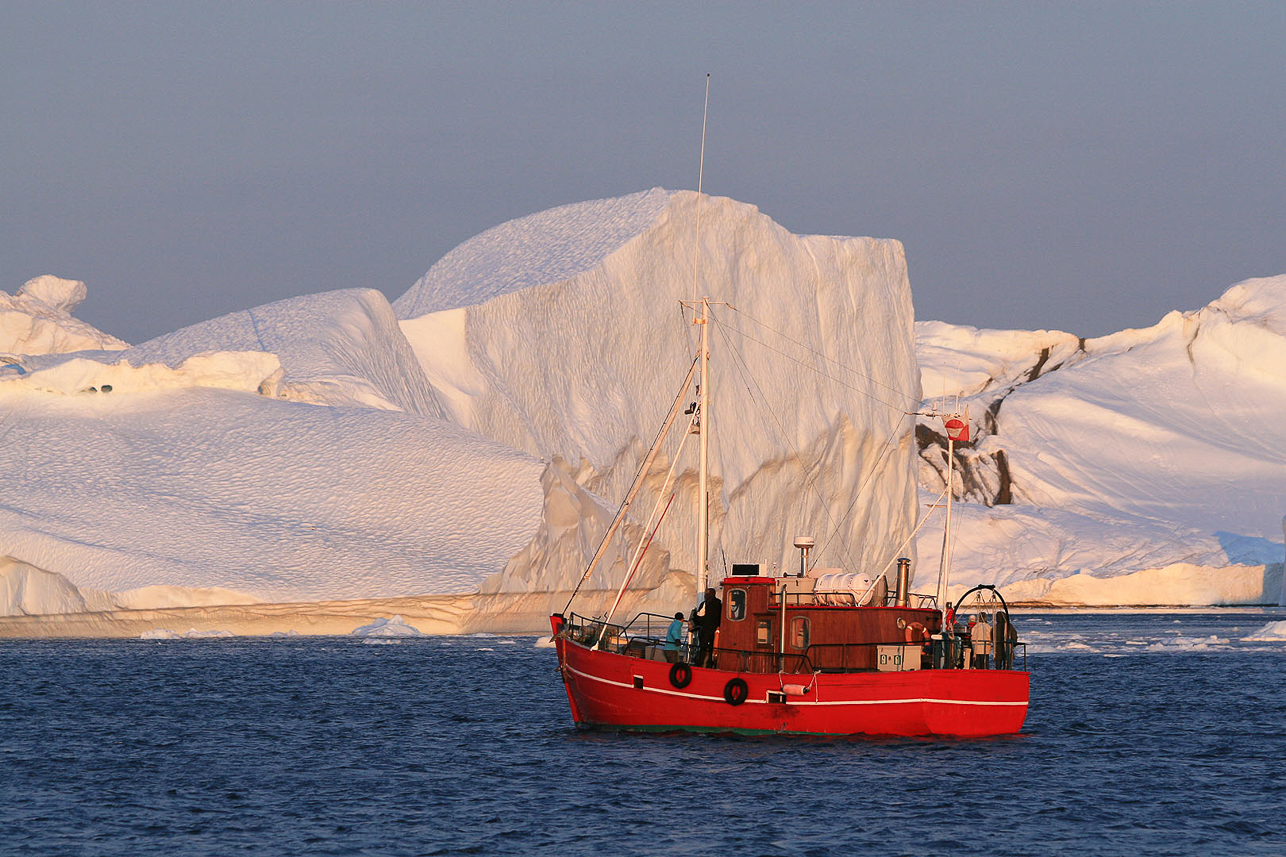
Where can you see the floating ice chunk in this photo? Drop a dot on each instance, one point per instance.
(194, 634)
(394, 627)
(160, 634)
(1187, 644)
(544, 642)
(1271, 633)
(291, 633)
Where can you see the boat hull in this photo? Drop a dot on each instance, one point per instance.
(609, 690)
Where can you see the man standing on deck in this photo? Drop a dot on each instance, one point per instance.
(706, 619)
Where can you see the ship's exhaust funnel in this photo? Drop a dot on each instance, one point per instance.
(904, 582)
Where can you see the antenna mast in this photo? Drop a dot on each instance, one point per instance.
(701, 170)
(703, 423)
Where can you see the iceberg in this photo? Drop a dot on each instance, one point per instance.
(201, 468)
(454, 457)
(468, 443)
(819, 376)
(1273, 632)
(1139, 468)
(160, 634)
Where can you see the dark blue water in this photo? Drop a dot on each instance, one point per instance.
(1148, 734)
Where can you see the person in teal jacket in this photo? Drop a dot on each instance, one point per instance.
(674, 639)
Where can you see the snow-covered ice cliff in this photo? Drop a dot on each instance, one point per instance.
(1143, 467)
(314, 470)
(562, 334)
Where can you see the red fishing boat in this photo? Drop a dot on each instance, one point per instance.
(808, 653)
(872, 669)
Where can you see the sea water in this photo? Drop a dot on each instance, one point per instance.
(1148, 734)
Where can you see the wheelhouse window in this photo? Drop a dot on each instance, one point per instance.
(799, 632)
(737, 605)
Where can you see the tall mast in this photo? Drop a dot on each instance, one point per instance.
(944, 569)
(703, 425)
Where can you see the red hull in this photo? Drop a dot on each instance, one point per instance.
(603, 688)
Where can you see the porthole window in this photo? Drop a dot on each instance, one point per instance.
(737, 605)
(799, 632)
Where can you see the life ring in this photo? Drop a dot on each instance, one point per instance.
(916, 632)
(735, 691)
(681, 675)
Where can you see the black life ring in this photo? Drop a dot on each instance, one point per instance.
(735, 691)
(681, 675)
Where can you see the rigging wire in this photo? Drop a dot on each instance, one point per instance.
(885, 448)
(825, 357)
(875, 468)
(744, 369)
(809, 366)
(638, 476)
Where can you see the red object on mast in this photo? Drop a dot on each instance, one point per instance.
(957, 430)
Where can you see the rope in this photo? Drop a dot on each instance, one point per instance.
(638, 481)
(885, 448)
(823, 356)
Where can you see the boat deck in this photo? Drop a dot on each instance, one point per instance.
(644, 638)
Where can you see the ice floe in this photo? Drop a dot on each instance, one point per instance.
(1273, 632)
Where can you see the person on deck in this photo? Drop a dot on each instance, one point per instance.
(674, 639)
(1004, 637)
(706, 619)
(980, 637)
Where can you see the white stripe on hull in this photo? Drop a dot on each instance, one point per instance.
(796, 700)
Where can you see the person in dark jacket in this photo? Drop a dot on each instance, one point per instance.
(706, 619)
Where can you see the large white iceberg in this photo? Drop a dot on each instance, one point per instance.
(1144, 467)
(562, 334)
(324, 448)
(471, 441)
(316, 470)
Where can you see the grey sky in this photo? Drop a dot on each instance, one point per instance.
(1080, 166)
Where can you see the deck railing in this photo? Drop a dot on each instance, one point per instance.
(916, 600)
(644, 637)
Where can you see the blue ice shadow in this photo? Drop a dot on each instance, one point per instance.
(1254, 550)
(1250, 550)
